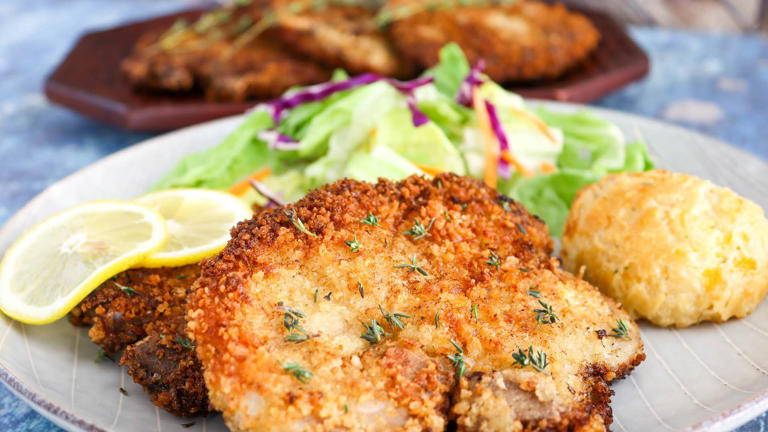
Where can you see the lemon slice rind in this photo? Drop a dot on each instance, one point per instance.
(37, 238)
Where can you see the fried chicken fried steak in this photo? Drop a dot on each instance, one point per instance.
(404, 306)
(519, 41)
(141, 312)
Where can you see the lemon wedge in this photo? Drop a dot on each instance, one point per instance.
(61, 260)
(198, 222)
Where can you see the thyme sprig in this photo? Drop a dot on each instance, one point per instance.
(128, 290)
(534, 292)
(296, 221)
(371, 220)
(458, 359)
(537, 360)
(353, 244)
(394, 319)
(418, 230)
(413, 266)
(545, 315)
(291, 320)
(373, 332)
(185, 342)
(493, 260)
(621, 330)
(297, 371)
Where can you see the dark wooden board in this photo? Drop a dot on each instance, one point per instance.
(89, 80)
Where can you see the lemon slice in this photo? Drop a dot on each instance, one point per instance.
(198, 222)
(61, 260)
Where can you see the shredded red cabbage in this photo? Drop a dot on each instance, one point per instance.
(273, 198)
(277, 141)
(317, 92)
(474, 78)
(498, 130)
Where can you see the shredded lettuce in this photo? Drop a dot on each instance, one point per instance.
(368, 130)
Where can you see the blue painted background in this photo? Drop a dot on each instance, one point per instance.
(715, 83)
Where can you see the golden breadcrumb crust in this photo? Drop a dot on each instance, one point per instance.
(293, 267)
(520, 41)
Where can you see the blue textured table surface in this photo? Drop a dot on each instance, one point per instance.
(717, 84)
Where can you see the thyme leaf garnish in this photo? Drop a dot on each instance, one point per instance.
(291, 213)
(505, 205)
(458, 359)
(521, 228)
(394, 318)
(180, 277)
(353, 244)
(371, 220)
(545, 315)
(373, 332)
(437, 319)
(474, 310)
(447, 216)
(297, 371)
(413, 266)
(185, 342)
(524, 270)
(315, 296)
(126, 289)
(537, 360)
(621, 330)
(360, 288)
(291, 320)
(418, 230)
(493, 260)
(534, 292)
(101, 354)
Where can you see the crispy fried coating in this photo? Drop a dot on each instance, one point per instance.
(520, 41)
(284, 316)
(124, 309)
(142, 311)
(344, 37)
(165, 365)
(263, 68)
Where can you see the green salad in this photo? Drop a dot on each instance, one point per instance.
(451, 119)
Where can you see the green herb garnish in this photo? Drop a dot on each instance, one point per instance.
(474, 310)
(101, 354)
(534, 292)
(373, 332)
(418, 230)
(126, 289)
(447, 216)
(437, 319)
(394, 318)
(371, 220)
(413, 266)
(621, 330)
(521, 228)
(360, 288)
(353, 244)
(291, 213)
(545, 315)
(184, 342)
(458, 359)
(493, 260)
(297, 371)
(536, 360)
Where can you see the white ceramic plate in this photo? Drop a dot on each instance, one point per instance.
(708, 377)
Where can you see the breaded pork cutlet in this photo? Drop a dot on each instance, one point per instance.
(186, 60)
(142, 311)
(404, 306)
(341, 36)
(520, 41)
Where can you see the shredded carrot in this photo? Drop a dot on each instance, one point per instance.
(243, 186)
(428, 169)
(548, 168)
(510, 158)
(540, 125)
(491, 174)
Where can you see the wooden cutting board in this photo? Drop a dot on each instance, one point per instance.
(89, 80)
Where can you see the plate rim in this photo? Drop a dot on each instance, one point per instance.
(724, 420)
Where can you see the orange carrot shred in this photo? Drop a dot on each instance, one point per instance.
(428, 169)
(242, 187)
(510, 158)
(540, 125)
(548, 168)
